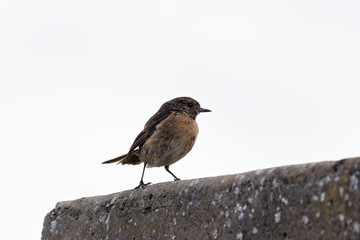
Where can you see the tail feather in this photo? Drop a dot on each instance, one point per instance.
(117, 159)
(130, 158)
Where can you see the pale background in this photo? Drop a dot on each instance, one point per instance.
(79, 79)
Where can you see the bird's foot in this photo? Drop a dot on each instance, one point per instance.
(177, 179)
(143, 185)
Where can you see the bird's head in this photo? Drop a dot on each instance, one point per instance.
(185, 104)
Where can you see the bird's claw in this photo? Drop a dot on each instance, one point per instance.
(142, 185)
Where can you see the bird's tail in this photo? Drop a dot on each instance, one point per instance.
(130, 158)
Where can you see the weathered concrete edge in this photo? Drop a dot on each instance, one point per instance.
(257, 178)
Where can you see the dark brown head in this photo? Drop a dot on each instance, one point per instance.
(184, 104)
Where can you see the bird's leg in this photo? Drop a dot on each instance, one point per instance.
(142, 184)
(175, 177)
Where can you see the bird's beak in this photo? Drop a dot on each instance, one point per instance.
(203, 110)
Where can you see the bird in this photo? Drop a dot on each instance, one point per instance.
(166, 138)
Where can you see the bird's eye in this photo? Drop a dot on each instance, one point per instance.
(190, 104)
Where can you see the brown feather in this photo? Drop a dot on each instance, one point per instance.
(117, 159)
(130, 158)
(149, 128)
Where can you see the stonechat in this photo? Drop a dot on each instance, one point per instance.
(167, 136)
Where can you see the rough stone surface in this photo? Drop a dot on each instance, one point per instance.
(310, 201)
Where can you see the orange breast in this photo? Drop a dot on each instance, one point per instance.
(173, 138)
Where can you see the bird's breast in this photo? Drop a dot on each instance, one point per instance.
(173, 138)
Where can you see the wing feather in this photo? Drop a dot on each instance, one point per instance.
(149, 128)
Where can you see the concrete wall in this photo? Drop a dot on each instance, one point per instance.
(310, 201)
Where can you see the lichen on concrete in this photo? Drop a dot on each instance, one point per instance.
(309, 201)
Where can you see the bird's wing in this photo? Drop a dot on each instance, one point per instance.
(149, 129)
(139, 140)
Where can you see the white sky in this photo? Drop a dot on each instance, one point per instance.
(79, 79)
